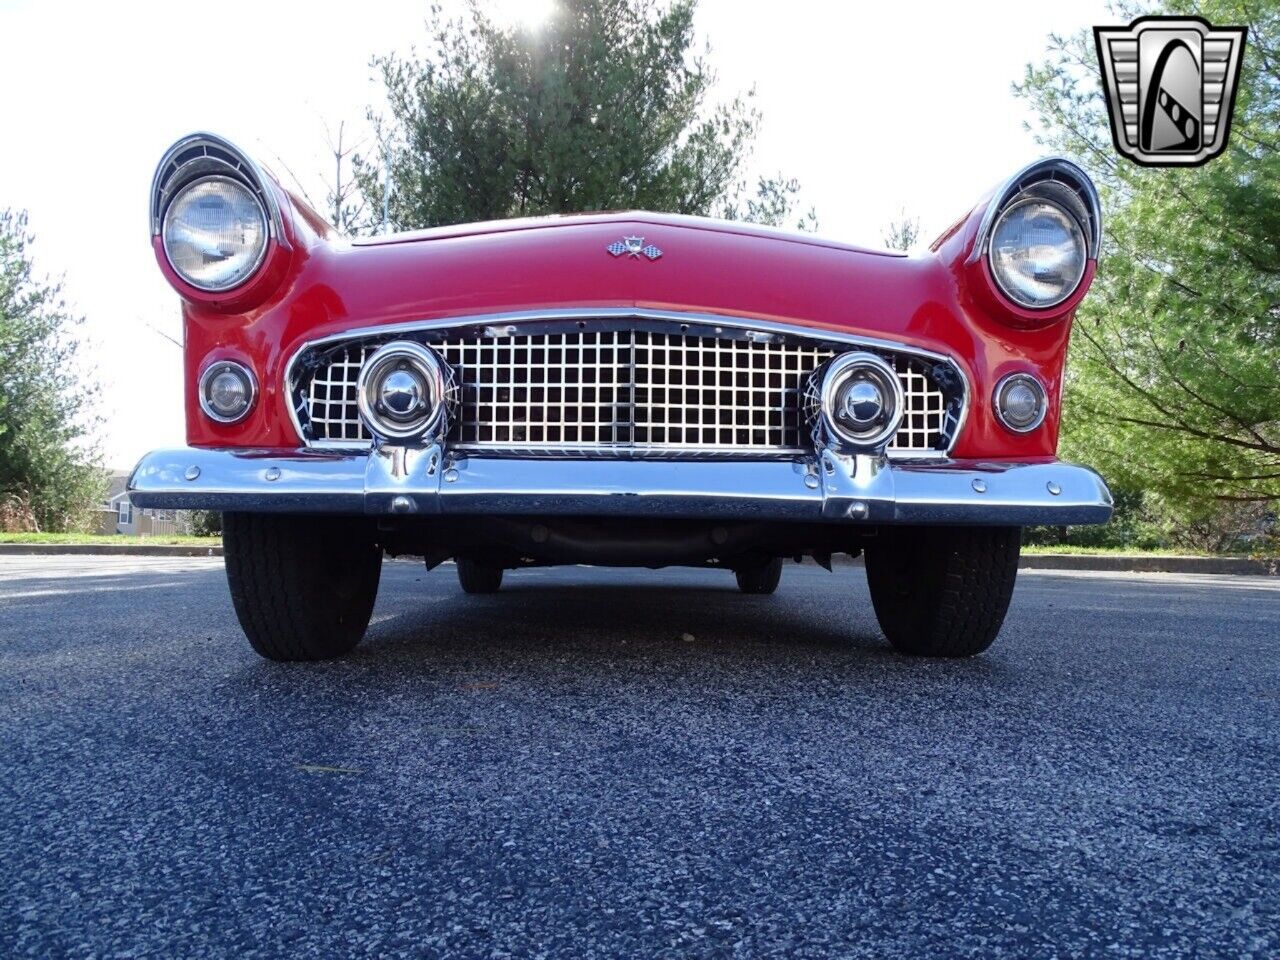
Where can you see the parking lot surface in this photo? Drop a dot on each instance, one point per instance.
(612, 763)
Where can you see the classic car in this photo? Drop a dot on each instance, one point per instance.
(628, 389)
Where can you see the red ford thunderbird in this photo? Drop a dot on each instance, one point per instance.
(628, 389)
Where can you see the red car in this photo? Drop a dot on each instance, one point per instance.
(628, 389)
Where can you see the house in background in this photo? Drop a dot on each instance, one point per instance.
(117, 514)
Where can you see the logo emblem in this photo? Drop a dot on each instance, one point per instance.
(1170, 84)
(634, 247)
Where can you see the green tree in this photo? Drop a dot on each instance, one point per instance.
(206, 523)
(1174, 382)
(47, 475)
(902, 234)
(605, 106)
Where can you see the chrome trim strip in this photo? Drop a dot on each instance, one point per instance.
(426, 481)
(700, 324)
(571, 452)
(695, 324)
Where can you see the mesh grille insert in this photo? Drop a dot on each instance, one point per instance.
(620, 388)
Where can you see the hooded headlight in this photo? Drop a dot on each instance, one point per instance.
(215, 233)
(1038, 253)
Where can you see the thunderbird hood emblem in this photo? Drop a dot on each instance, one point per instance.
(634, 247)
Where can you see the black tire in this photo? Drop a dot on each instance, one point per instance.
(943, 591)
(762, 579)
(478, 577)
(303, 587)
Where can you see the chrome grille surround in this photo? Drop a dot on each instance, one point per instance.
(624, 383)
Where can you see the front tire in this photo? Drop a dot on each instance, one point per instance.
(303, 587)
(943, 591)
(762, 579)
(477, 577)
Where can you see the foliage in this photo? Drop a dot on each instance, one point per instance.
(902, 234)
(1173, 385)
(605, 107)
(46, 473)
(206, 523)
(111, 540)
(344, 206)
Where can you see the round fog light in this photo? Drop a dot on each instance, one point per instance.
(1020, 402)
(227, 391)
(400, 391)
(402, 394)
(862, 404)
(862, 400)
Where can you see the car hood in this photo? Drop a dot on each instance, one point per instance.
(555, 263)
(628, 219)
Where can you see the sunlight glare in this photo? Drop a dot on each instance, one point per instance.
(524, 14)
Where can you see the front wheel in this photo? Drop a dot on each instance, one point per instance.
(943, 591)
(761, 579)
(475, 576)
(303, 587)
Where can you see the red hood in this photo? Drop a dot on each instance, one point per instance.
(694, 264)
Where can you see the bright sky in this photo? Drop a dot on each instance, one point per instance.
(875, 111)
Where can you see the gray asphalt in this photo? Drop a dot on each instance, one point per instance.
(600, 763)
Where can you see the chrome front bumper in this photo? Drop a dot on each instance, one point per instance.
(430, 481)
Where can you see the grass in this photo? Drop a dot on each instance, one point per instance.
(1126, 551)
(113, 539)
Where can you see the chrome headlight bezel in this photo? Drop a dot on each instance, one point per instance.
(246, 272)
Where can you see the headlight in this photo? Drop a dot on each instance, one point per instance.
(862, 400)
(227, 391)
(1038, 253)
(215, 233)
(401, 391)
(1020, 402)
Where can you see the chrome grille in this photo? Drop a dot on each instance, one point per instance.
(629, 388)
(621, 389)
(330, 395)
(556, 389)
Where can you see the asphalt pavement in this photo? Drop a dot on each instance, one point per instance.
(612, 763)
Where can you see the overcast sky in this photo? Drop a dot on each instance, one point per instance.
(875, 110)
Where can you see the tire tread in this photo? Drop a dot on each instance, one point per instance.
(944, 592)
(303, 588)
